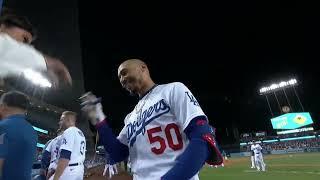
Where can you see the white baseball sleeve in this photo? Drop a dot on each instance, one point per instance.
(49, 147)
(15, 57)
(184, 105)
(122, 137)
(68, 138)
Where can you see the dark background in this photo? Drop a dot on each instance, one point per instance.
(223, 51)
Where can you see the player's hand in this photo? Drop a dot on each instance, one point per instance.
(105, 170)
(57, 71)
(92, 107)
(112, 169)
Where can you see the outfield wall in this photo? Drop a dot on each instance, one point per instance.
(287, 151)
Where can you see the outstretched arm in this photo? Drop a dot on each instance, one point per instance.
(93, 108)
(16, 57)
(118, 151)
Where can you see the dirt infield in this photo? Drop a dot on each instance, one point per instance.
(96, 174)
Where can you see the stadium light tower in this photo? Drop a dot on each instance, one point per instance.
(280, 86)
(37, 78)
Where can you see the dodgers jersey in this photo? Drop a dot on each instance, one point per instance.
(73, 140)
(257, 149)
(154, 130)
(54, 147)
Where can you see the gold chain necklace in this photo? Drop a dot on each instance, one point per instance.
(145, 100)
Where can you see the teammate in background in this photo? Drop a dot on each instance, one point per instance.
(257, 149)
(45, 161)
(224, 154)
(72, 150)
(50, 155)
(18, 139)
(252, 158)
(167, 135)
(17, 55)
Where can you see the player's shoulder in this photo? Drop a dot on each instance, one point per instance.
(172, 85)
(70, 130)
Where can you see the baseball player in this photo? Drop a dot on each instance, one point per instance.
(72, 151)
(252, 159)
(166, 135)
(50, 154)
(257, 149)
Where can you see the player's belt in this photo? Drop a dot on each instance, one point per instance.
(75, 164)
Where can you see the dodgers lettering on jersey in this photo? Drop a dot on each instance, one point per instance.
(74, 141)
(256, 148)
(154, 130)
(54, 147)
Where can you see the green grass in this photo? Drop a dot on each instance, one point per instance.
(305, 166)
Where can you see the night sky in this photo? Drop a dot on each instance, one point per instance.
(223, 51)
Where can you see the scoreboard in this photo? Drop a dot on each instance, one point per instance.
(291, 120)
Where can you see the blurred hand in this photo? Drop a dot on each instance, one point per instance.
(57, 71)
(92, 107)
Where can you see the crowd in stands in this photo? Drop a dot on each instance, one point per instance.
(294, 144)
(284, 145)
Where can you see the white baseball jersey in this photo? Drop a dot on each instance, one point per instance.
(54, 147)
(257, 149)
(73, 140)
(154, 130)
(16, 57)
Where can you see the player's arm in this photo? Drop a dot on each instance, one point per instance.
(46, 157)
(62, 164)
(57, 71)
(17, 57)
(115, 148)
(65, 152)
(202, 147)
(3, 148)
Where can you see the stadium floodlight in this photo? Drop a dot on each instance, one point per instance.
(37, 78)
(276, 86)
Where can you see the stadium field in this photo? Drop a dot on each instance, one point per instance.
(304, 166)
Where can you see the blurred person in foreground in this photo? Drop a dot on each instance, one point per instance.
(18, 55)
(18, 139)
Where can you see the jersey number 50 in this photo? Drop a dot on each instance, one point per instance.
(162, 142)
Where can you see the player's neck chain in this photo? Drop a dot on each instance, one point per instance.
(137, 108)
